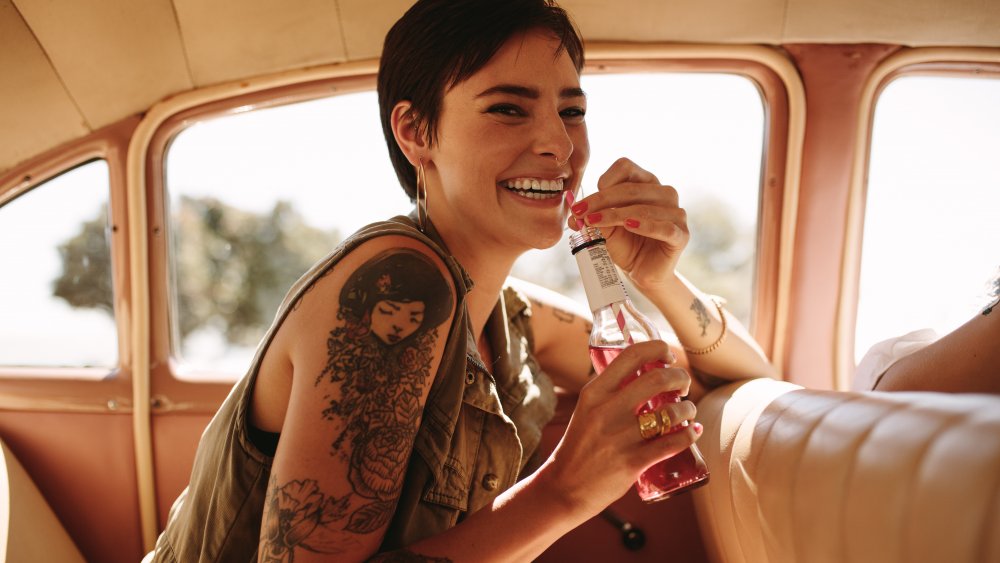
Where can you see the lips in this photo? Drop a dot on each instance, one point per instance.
(534, 188)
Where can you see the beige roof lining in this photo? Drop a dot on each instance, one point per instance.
(89, 64)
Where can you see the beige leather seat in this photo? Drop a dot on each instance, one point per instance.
(29, 530)
(802, 475)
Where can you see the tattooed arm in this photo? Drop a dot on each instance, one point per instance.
(697, 323)
(345, 382)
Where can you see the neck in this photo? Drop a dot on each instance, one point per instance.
(488, 264)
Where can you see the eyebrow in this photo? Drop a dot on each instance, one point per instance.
(526, 92)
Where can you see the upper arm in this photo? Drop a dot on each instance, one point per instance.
(364, 345)
(561, 329)
(962, 361)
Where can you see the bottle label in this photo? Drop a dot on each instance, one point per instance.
(600, 277)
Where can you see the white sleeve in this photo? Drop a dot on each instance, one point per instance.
(882, 355)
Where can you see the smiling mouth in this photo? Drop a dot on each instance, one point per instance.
(534, 188)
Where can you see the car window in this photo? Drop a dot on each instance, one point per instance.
(931, 234)
(56, 290)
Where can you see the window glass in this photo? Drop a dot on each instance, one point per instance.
(56, 295)
(931, 235)
(256, 197)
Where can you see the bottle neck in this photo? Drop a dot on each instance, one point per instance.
(601, 281)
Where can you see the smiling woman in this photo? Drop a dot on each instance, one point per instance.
(431, 396)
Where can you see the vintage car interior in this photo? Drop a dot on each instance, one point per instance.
(168, 167)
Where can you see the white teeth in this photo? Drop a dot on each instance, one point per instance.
(534, 186)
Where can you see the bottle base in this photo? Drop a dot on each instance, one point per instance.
(670, 494)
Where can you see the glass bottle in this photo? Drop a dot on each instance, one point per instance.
(618, 324)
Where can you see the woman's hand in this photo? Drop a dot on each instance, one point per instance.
(645, 229)
(602, 452)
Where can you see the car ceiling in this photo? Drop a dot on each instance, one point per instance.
(72, 66)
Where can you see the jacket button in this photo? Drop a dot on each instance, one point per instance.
(470, 378)
(491, 482)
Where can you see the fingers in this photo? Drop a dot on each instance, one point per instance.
(624, 170)
(631, 197)
(625, 366)
(652, 451)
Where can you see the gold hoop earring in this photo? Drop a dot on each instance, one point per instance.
(421, 197)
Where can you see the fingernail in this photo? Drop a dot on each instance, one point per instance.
(593, 218)
(698, 428)
(578, 224)
(568, 197)
(632, 223)
(579, 208)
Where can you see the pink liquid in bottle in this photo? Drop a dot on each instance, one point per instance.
(677, 474)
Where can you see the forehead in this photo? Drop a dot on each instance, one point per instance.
(404, 305)
(534, 57)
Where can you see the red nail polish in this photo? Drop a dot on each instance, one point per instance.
(594, 218)
(579, 208)
(632, 223)
(698, 428)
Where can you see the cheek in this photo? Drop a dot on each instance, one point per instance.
(581, 144)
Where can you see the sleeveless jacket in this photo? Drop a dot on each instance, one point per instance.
(477, 432)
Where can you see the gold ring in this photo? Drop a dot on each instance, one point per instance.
(665, 424)
(649, 425)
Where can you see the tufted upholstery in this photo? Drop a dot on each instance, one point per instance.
(801, 475)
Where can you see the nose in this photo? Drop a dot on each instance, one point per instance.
(553, 139)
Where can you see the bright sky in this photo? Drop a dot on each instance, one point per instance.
(934, 193)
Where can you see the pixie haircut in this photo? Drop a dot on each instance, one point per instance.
(439, 43)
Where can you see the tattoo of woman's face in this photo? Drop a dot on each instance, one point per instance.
(393, 321)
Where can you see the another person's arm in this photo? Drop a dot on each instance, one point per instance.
(966, 360)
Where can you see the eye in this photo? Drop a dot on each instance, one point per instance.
(509, 110)
(384, 311)
(574, 113)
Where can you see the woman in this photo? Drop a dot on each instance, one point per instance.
(325, 451)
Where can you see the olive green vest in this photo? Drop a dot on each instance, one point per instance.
(476, 435)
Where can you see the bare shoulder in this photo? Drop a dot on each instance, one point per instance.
(548, 301)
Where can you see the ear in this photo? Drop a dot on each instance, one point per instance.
(408, 133)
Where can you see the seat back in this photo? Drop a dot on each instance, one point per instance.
(802, 475)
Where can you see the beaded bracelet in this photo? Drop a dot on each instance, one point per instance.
(722, 337)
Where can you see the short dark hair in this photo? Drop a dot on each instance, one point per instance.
(439, 43)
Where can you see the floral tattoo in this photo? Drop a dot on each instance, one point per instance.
(379, 359)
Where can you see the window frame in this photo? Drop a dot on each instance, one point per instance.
(930, 61)
(67, 388)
